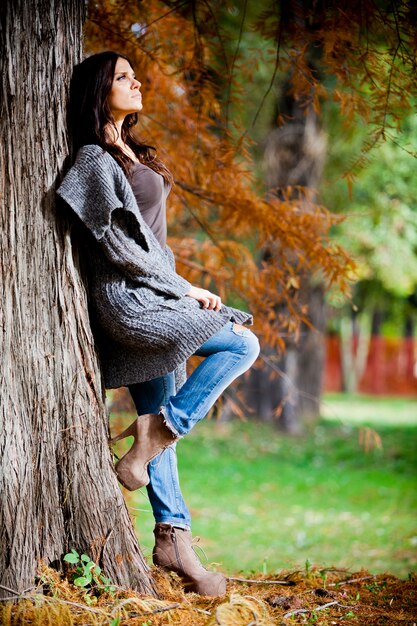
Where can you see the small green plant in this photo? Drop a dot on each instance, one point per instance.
(375, 587)
(308, 568)
(348, 614)
(88, 576)
(323, 576)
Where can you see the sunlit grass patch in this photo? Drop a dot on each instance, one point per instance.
(372, 410)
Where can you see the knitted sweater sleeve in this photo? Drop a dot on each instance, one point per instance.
(99, 193)
(125, 247)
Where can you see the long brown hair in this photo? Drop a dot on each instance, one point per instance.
(89, 114)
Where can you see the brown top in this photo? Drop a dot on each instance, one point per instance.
(151, 192)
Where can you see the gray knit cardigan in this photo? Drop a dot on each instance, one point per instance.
(145, 324)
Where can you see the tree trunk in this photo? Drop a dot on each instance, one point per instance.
(355, 341)
(294, 156)
(311, 354)
(58, 489)
(376, 360)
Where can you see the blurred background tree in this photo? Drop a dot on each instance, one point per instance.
(381, 234)
(247, 104)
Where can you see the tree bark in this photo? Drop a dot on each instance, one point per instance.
(311, 353)
(289, 392)
(58, 489)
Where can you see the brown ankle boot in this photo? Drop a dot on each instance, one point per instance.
(173, 552)
(151, 437)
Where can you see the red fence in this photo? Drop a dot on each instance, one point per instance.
(391, 367)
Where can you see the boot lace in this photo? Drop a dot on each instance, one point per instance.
(197, 549)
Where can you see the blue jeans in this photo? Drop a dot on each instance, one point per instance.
(228, 354)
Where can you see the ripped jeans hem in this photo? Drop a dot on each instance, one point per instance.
(168, 424)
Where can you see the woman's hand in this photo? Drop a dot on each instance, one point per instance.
(207, 299)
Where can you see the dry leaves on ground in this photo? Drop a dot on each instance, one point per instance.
(322, 597)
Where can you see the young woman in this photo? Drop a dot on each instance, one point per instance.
(147, 319)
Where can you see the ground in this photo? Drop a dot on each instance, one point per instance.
(322, 597)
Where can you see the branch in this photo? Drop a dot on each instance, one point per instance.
(350, 581)
(315, 610)
(178, 6)
(384, 121)
(160, 610)
(194, 608)
(274, 73)
(13, 591)
(192, 264)
(80, 606)
(239, 41)
(200, 194)
(285, 376)
(219, 37)
(288, 583)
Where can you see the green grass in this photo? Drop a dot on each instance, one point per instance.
(370, 410)
(263, 501)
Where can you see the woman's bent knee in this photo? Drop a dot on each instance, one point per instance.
(250, 338)
(254, 347)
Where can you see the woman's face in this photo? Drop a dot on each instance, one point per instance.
(124, 97)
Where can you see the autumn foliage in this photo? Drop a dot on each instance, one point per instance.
(219, 215)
